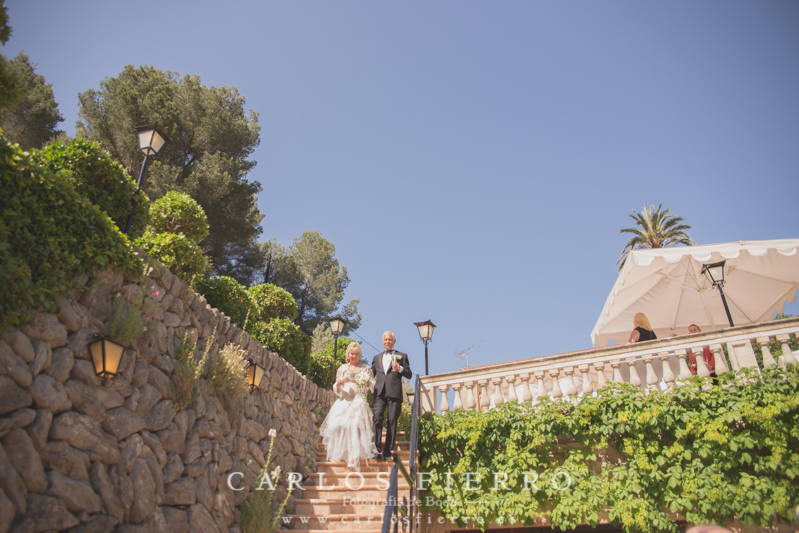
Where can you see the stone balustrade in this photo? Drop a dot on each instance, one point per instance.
(658, 364)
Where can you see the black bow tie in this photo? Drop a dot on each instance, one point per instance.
(390, 352)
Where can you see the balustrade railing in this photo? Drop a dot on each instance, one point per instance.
(658, 364)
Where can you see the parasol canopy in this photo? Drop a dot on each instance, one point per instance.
(667, 285)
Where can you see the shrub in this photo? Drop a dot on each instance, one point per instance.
(228, 379)
(271, 301)
(184, 258)
(283, 336)
(178, 213)
(49, 233)
(322, 370)
(188, 370)
(96, 176)
(227, 295)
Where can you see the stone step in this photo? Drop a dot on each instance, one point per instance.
(339, 467)
(348, 505)
(352, 480)
(339, 523)
(337, 493)
(403, 455)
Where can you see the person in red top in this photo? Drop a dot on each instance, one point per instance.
(710, 362)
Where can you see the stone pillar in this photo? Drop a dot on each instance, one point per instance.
(668, 375)
(470, 403)
(484, 401)
(457, 404)
(498, 399)
(444, 407)
(701, 364)
(787, 356)
(553, 375)
(719, 359)
(571, 386)
(768, 359)
(587, 387)
(542, 388)
(651, 377)
(635, 379)
(512, 396)
(600, 375)
(685, 372)
(617, 378)
(527, 395)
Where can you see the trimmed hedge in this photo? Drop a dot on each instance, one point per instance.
(227, 295)
(96, 176)
(177, 213)
(271, 301)
(283, 336)
(49, 233)
(176, 252)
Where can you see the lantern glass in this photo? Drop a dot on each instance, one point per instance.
(337, 325)
(255, 374)
(715, 272)
(425, 330)
(106, 355)
(151, 140)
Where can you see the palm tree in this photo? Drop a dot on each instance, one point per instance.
(654, 229)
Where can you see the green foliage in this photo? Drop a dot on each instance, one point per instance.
(49, 233)
(257, 509)
(270, 301)
(32, 121)
(309, 270)
(654, 229)
(176, 252)
(283, 336)
(709, 453)
(11, 90)
(227, 295)
(188, 370)
(178, 213)
(99, 178)
(322, 366)
(128, 322)
(212, 137)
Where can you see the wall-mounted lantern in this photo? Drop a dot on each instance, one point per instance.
(255, 373)
(106, 355)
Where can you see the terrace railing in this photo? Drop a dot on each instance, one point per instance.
(658, 364)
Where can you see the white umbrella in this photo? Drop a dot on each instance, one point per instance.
(668, 286)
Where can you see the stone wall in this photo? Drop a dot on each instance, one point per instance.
(80, 456)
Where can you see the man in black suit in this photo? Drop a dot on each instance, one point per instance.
(388, 369)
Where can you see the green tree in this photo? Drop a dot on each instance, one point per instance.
(322, 365)
(10, 87)
(283, 336)
(211, 139)
(33, 120)
(655, 228)
(96, 176)
(309, 270)
(270, 301)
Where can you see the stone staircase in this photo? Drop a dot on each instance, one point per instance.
(338, 499)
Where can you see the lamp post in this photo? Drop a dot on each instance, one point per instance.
(336, 326)
(255, 373)
(106, 355)
(426, 334)
(151, 140)
(715, 272)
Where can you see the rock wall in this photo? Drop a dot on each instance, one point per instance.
(80, 456)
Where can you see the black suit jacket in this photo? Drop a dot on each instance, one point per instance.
(390, 384)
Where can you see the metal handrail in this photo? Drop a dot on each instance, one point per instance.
(392, 503)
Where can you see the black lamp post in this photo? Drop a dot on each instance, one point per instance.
(426, 334)
(106, 355)
(715, 272)
(336, 326)
(255, 373)
(151, 140)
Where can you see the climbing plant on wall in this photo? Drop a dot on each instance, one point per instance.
(709, 453)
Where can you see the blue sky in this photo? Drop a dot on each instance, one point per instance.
(473, 161)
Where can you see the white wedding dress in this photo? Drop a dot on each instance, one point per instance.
(347, 430)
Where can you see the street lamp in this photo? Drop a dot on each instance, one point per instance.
(255, 373)
(715, 273)
(151, 140)
(106, 355)
(426, 334)
(336, 326)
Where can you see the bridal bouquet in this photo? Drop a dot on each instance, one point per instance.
(362, 379)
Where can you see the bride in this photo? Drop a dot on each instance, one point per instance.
(347, 430)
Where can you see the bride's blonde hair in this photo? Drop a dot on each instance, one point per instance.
(352, 347)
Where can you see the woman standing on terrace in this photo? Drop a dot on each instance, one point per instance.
(643, 331)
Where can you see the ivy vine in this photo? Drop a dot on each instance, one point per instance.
(708, 453)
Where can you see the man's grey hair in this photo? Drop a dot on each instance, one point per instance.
(390, 333)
